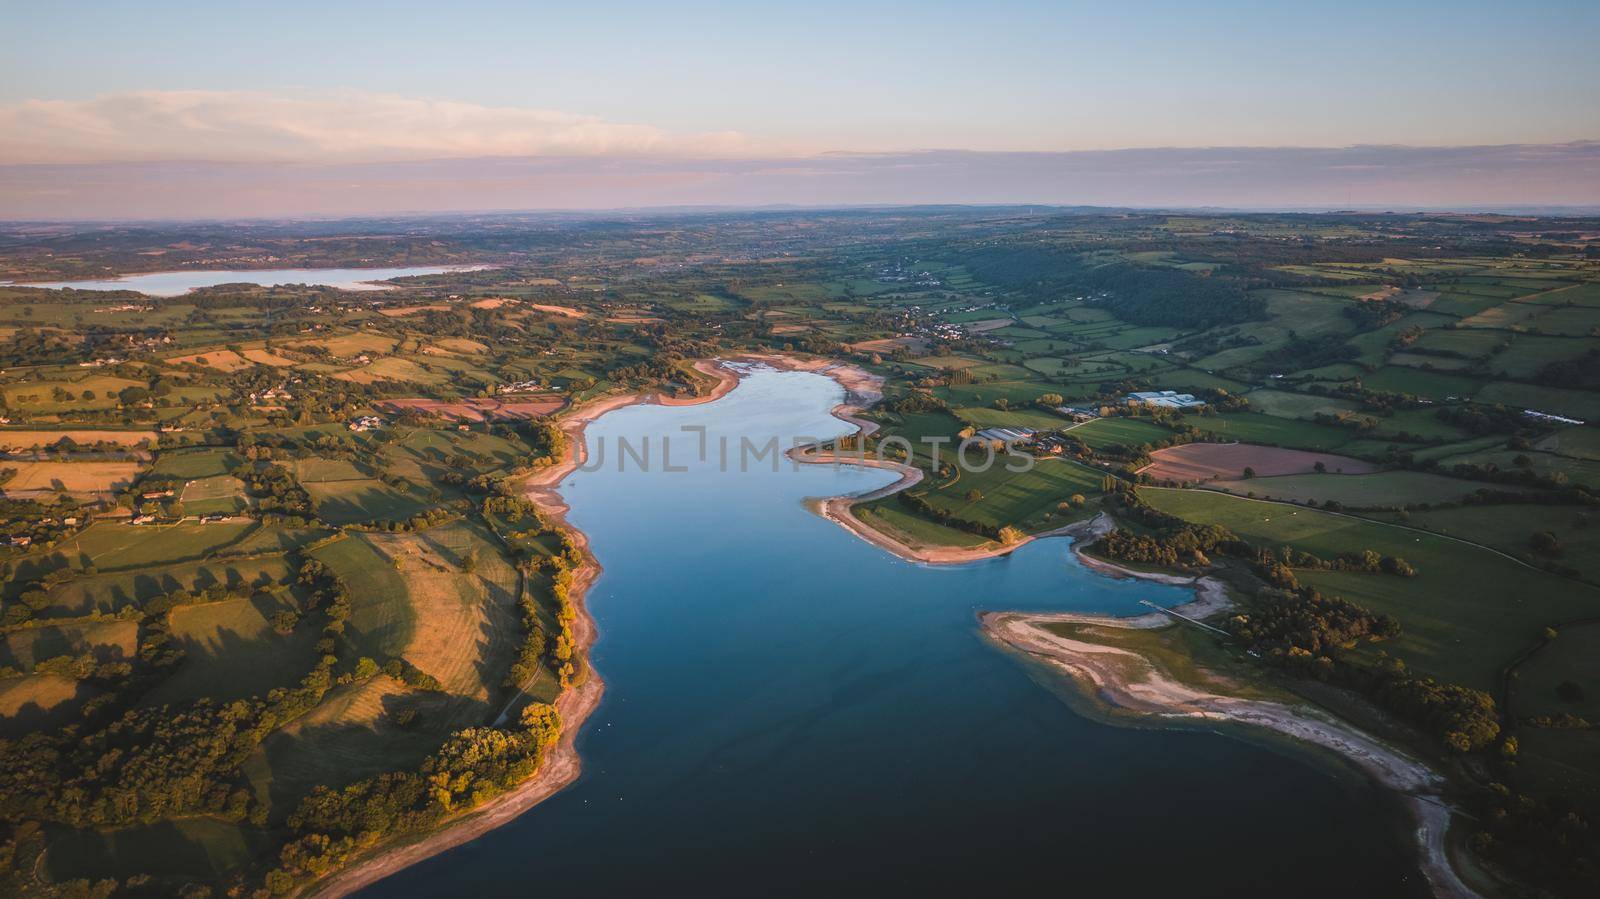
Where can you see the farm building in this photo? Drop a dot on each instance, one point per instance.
(1551, 417)
(1005, 436)
(1169, 399)
(1079, 413)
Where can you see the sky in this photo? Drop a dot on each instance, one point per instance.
(121, 108)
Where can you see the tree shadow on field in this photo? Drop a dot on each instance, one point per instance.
(338, 754)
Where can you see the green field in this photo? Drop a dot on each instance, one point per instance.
(1316, 320)
(1573, 656)
(1571, 403)
(107, 640)
(41, 702)
(1383, 488)
(1106, 432)
(1576, 471)
(113, 546)
(221, 494)
(1510, 529)
(195, 463)
(1580, 443)
(1296, 405)
(1036, 419)
(381, 622)
(471, 633)
(363, 500)
(234, 652)
(1025, 499)
(1432, 385)
(196, 848)
(1250, 427)
(1465, 614)
(113, 590)
(891, 517)
(308, 471)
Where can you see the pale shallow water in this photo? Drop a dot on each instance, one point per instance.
(171, 284)
(792, 711)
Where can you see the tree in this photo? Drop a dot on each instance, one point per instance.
(129, 396)
(1545, 543)
(1249, 472)
(974, 495)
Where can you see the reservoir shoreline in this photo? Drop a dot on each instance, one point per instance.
(1088, 666)
(1122, 681)
(562, 766)
(1106, 674)
(151, 283)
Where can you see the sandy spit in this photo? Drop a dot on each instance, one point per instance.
(1124, 680)
(1127, 681)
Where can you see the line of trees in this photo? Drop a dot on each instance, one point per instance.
(473, 766)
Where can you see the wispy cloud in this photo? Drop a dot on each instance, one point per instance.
(555, 161)
(322, 127)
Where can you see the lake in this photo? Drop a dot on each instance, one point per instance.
(171, 284)
(791, 711)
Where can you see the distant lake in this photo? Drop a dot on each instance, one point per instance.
(791, 711)
(171, 284)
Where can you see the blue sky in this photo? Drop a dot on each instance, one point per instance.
(868, 75)
(92, 94)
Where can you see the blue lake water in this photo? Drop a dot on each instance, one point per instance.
(171, 284)
(792, 711)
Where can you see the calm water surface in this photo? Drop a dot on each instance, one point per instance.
(171, 284)
(791, 711)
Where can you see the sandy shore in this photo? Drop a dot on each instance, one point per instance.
(726, 381)
(862, 387)
(1120, 678)
(1125, 680)
(562, 765)
(841, 511)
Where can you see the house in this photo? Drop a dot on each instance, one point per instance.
(143, 519)
(365, 423)
(157, 494)
(21, 541)
(271, 394)
(1166, 399)
(528, 386)
(1079, 413)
